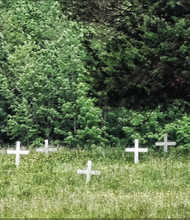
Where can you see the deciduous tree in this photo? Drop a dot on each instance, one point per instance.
(46, 83)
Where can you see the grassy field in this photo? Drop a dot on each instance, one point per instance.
(49, 186)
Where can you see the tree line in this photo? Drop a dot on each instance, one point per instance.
(106, 79)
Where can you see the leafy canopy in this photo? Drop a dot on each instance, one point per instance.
(46, 82)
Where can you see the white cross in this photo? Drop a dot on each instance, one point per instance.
(17, 152)
(88, 171)
(165, 143)
(46, 149)
(136, 150)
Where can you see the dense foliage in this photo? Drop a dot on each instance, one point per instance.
(46, 83)
(146, 62)
(4, 104)
(120, 75)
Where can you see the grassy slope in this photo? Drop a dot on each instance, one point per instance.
(49, 186)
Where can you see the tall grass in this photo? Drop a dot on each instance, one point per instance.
(49, 186)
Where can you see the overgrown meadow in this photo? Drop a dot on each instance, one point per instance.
(47, 185)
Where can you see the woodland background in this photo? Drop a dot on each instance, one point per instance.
(88, 72)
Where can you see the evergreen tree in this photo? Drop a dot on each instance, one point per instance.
(147, 61)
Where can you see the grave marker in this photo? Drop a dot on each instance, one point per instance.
(88, 171)
(136, 150)
(17, 152)
(46, 149)
(165, 143)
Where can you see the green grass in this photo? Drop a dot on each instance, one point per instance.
(49, 186)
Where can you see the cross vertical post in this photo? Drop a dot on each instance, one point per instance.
(46, 146)
(89, 166)
(17, 153)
